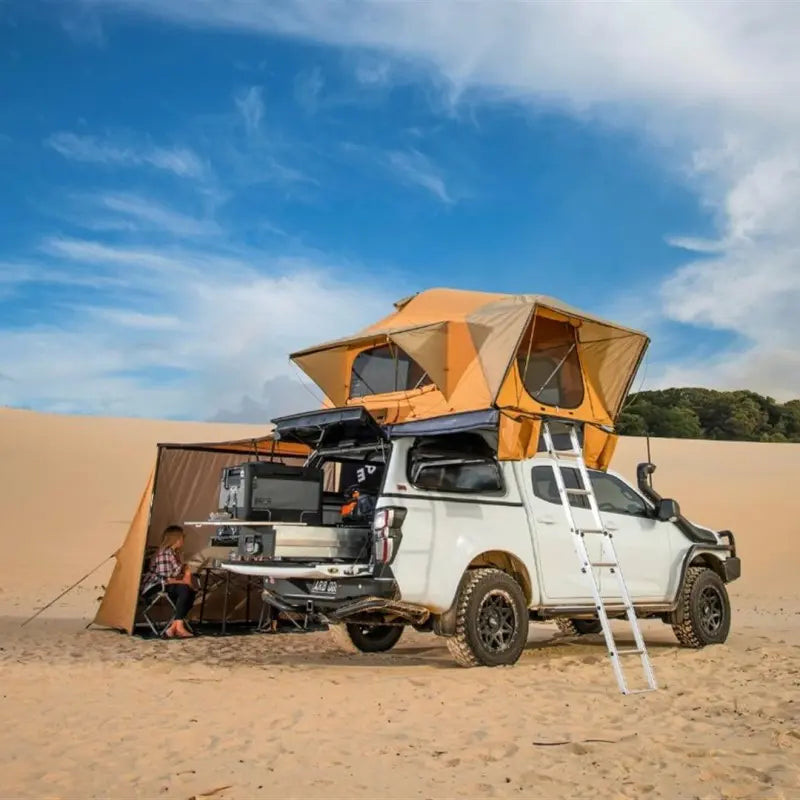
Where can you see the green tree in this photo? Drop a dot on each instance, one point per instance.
(677, 423)
(631, 424)
(709, 414)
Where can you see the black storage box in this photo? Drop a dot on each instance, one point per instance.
(269, 492)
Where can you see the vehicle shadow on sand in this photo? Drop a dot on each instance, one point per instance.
(63, 642)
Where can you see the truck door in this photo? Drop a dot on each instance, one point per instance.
(556, 559)
(643, 543)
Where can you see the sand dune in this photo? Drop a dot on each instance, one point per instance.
(98, 714)
(746, 487)
(70, 488)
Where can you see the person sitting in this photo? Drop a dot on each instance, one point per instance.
(167, 565)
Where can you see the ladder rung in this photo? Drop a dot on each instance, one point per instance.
(574, 457)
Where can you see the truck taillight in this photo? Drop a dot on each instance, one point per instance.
(384, 549)
(386, 526)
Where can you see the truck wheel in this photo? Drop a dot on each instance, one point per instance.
(706, 609)
(491, 620)
(355, 638)
(578, 627)
(374, 638)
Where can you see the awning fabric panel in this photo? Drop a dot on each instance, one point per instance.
(182, 486)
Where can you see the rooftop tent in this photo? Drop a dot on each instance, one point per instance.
(182, 486)
(445, 351)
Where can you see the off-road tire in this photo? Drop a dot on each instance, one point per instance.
(489, 599)
(578, 627)
(706, 609)
(351, 638)
(374, 638)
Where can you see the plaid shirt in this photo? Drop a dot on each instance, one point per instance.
(164, 564)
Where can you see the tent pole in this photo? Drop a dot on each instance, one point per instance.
(394, 359)
(66, 591)
(555, 371)
(527, 356)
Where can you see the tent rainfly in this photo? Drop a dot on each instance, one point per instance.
(446, 351)
(183, 485)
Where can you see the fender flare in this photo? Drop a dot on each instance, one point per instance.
(715, 563)
(444, 624)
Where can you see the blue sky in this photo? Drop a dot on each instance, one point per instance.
(190, 191)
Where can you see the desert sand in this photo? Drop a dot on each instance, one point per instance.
(93, 713)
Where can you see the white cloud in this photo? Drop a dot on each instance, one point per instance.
(111, 258)
(145, 213)
(278, 396)
(713, 85)
(308, 85)
(135, 320)
(178, 160)
(697, 245)
(186, 332)
(409, 167)
(373, 72)
(414, 168)
(250, 105)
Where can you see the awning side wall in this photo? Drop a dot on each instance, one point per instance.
(184, 486)
(118, 606)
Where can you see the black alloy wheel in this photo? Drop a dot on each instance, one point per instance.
(497, 621)
(712, 611)
(703, 615)
(491, 619)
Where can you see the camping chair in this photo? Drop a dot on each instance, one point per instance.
(155, 596)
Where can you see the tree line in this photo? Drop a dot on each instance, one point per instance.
(709, 414)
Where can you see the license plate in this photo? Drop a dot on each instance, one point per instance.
(323, 587)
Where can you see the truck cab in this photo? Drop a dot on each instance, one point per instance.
(428, 528)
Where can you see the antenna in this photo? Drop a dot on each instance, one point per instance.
(649, 460)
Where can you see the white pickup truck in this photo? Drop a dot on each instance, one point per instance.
(448, 539)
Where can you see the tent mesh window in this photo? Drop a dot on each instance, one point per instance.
(549, 365)
(385, 369)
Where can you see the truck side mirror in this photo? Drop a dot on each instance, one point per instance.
(668, 510)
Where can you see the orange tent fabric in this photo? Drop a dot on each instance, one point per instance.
(453, 350)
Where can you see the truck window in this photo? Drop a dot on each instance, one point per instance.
(475, 477)
(385, 369)
(615, 496)
(546, 488)
(612, 494)
(461, 463)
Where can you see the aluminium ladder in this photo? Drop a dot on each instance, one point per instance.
(608, 554)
